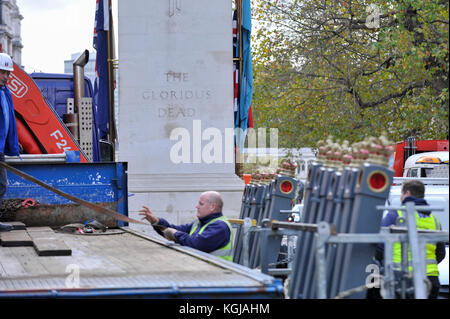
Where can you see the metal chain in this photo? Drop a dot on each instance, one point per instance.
(376, 284)
(283, 261)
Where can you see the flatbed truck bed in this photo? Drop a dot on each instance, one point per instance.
(125, 263)
(119, 263)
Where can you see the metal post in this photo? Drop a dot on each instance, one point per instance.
(404, 265)
(418, 263)
(322, 235)
(255, 213)
(254, 248)
(111, 54)
(256, 258)
(404, 268)
(334, 198)
(304, 240)
(349, 181)
(245, 208)
(389, 287)
(309, 287)
(247, 225)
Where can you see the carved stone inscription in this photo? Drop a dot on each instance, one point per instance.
(174, 7)
(180, 101)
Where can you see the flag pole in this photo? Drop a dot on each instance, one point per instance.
(111, 109)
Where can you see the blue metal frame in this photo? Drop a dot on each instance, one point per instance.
(270, 291)
(104, 182)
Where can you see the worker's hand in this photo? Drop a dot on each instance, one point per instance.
(148, 215)
(169, 233)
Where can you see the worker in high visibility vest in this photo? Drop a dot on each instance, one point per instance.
(211, 232)
(414, 191)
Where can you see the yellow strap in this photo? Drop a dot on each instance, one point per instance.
(240, 221)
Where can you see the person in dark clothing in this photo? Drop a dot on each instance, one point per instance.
(210, 233)
(9, 144)
(414, 191)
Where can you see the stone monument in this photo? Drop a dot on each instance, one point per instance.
(176, 105)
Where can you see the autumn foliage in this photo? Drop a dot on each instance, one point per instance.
(351, 69)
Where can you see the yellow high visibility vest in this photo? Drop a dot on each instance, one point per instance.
(431, 223)
(225, 252)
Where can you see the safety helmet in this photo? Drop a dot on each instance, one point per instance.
(6, 62)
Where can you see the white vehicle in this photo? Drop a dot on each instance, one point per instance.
(428, 164)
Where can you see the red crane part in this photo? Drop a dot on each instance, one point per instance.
(40, 118)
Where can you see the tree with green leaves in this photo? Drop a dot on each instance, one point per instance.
(351, 69)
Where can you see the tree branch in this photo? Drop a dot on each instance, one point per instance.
(364, 105)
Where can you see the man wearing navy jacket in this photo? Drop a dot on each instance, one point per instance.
(9, 144)
(210, 233)
(414, 191)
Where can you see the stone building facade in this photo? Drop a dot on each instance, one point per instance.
(10, 24)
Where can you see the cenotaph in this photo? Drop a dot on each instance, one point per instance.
(176, 105)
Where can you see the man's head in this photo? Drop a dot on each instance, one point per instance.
(6, 66)
(413, 188)
(209, 203)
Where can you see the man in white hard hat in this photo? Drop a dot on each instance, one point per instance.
(9, 144)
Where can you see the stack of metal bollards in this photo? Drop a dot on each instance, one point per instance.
(266, 197)
(343, 188)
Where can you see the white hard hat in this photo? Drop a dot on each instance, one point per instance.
(6, 62)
